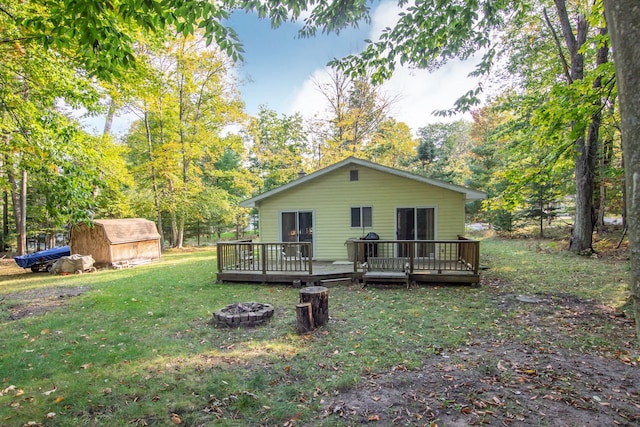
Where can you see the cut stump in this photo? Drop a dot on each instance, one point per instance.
(304, 316)
(318, 297)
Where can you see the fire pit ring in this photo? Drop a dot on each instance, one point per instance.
(243, 314)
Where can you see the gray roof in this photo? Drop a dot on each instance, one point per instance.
(469, 193)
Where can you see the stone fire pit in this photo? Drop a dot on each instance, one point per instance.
(243, 314)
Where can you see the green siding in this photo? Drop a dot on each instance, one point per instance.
(331, 197)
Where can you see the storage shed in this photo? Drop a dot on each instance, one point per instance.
(117, 241)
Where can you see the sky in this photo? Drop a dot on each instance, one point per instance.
(280, 69)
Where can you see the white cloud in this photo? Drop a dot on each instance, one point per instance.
(419, 92)
(385, 16)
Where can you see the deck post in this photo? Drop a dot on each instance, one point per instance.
(476, 258)
(219, 256)
(263, 257)
(412, 252)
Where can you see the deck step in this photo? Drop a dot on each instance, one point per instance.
(336, 281)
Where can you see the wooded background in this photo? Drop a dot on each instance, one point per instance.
(547, 141)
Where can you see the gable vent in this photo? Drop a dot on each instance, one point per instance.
(353, 175)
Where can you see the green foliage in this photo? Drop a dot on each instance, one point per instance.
(59, 160)
(391, 145)
(112, 200)
(186, 102)
(181, 161)
(101, 37)
(442, 151)
(358, 114)
(278, 148)
(447, 30)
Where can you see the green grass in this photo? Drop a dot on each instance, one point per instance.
(139, 345)
(542, 266)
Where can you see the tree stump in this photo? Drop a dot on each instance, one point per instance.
(318, 296)
(304, 316)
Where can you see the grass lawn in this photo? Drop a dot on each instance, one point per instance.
(136, 346)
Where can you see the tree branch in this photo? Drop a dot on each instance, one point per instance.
(6, 12)
(569, 38)
(565, 65)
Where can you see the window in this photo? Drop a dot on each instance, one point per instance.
(361, 217)
(353, 175)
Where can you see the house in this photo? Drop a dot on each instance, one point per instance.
(117, 242)
(354, 197)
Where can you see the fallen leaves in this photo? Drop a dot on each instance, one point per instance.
(48, 392)
(9, 389)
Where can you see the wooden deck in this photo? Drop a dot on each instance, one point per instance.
(455, 261)
(321, 271)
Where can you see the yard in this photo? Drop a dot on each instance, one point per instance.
(545, 340)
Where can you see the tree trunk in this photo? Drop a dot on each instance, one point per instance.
(5, 206)
(154, 179)
(624, 195)
(593, 136)
(19, 199)
(304, 317)
(108, 122)
(5, 220)
(541, 218)
(174, 230)
(601, 199)
(582, 233)
(623, 18)
(180, 236)
(318, 296)
(587, 148)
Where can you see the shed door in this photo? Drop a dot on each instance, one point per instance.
(297, 226)
(416, 224)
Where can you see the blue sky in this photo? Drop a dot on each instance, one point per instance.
(280, 69)
(277, 62)
(283, 68)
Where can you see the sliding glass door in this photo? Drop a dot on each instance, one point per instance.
(416, 224)
(297, 226)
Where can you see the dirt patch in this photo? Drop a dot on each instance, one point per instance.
(538, 378)
(36, 301)
(498, 383)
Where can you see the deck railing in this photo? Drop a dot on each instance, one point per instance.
(247, 256)
(422, 255)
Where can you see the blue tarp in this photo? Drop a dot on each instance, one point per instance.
(42, 257)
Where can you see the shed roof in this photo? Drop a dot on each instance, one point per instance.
(128, 230)
(351, 161)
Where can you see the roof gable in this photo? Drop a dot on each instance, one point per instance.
(353, 161)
